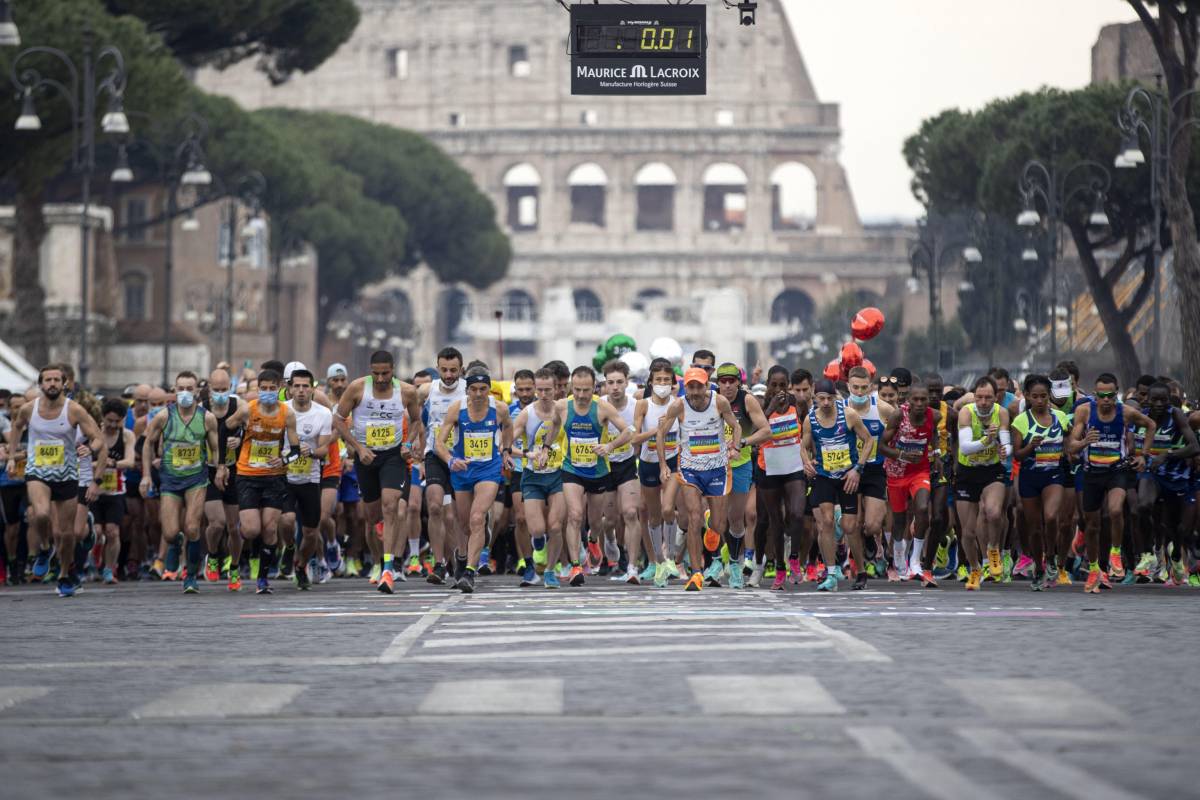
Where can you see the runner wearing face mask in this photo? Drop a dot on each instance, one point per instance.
(435, 398)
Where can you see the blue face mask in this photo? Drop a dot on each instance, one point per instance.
(220, 398)
(860, 401)
(268, 398)
(185, 399)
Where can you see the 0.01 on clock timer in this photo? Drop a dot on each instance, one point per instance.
(638, 40)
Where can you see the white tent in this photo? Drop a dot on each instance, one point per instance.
(16, 374)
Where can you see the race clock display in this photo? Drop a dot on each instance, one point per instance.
(638, 49)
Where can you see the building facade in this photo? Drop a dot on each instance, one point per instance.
(723, 219)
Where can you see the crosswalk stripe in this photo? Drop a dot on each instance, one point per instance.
(921, 768)
(570, 654)
(404, 640)
(12, 695)
(1053, 772)
(762, 695)
(545, 627)
(515, 696)
(1033, 700)
(555, 636)
(221, 700)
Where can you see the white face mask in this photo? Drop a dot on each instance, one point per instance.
(449, 385)
(661, 391)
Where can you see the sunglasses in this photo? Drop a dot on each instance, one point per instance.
(727, 379)
(706, 367)
(1106, 395)
(889, 381)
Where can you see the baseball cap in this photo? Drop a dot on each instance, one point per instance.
(1061, 390)
(336, 370)
(729, 370)
(695, 374)
(292, 367)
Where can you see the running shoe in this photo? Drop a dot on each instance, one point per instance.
(1077, 544)
(871, 572)
(769, 570)
(550, 580)
(1064, 578)
(1116, 567)
(595, 554)
(414, 567)
(995, 562)
(736, 579)
(485, 562)
(1144, 567)
(575, 577)
(66, 588)
(387, 582)
(660, 575)
(376, 571)
(529, 576)
(1194, 580)
(860, 581)
(963, 573)
(942, 557)
(107, 576)
(212, 569)
(466, 582)
(1023, 566)
(539, 558)
(649, 572)
(927, 581)
(756, 576)
(303, 581)
(333, 557)
(1093, 582)
(672, 569)
(255, 567)
(437, 575)
(812, 573)
(952, 559)
(747, 566)
(712, 575)
(695, 583)
(1181, 573)
(1161, 574)
(779, 582)
(1105, 582)
(1006, 565)
(795, 570)
(893, 575)
(974, 581)
(1038, 582)
(235, 581)
(631, 575)
(191, 585)
(157, 568)
(830, 583)
(264, 586)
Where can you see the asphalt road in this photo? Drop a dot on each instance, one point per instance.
(607, 690)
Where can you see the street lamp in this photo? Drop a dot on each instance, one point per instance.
(927, 255)
(249, 187)
(1056, 190)
(80, 93)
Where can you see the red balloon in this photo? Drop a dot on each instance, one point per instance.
(852, 355)
(833, 370)
(870, 366)
(867, 323)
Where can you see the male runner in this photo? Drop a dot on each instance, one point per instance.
(1167, 480)
(658, 496)
(314, 427)
(541, 479)
(221, 505)
(623, 482)
(434, 399)
(109, 508)
(984, 441)
(873, 484)
(910, 443)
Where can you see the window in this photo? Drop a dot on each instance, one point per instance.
(724, 198)
(655, 197)
(135, 214)
(724, 118)
(588, 117)
(397, 63)
(588, 307)
(587, 183)
(522, 184)
(519, 306)
(133, 295)
(457, 119)
(793, 197)
(518, 61)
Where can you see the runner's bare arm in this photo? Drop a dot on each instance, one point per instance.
(807, 456)
(18, 427)
(78, 415)
(762, 428)
(1079, 432)
(130, 450)
(210, 434)
(726, 412)
(293, 437)
(412, 405)
(609, 415)
(506, 434)
(889, 435)
(321, 451)
(674, 412)
(446, 433)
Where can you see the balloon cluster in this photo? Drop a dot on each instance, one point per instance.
(865, 326)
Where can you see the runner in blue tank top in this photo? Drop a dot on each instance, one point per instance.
(1098, 436)
(482, 434)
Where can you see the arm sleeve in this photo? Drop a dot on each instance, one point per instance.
(966, 442)
(1005, 442)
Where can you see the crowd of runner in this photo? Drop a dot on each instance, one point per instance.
(695, 474)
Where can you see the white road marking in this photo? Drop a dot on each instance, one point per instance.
(921, 768)
(200, 661)
(1034, 700)
(221, 700)
(518, 627)
(405, 639)
(1050, 771)
(570, 654)
(851, 647)
(555, 636)
(762, 695)
(12, 695)
(516, 696)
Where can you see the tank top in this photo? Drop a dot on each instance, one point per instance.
(1168, 438)
(654, 413)
(780, 455)
(478, 442)
(380, 424)
(836, 446)
(262, 442)
(943, 427)
(625, 452)
(112, 482)
(514, 409)
(702, 445)
(583, 433)
(184, 444)
(434, 409)
(911, 438)
(50, 452)
(1108, 453)
(224, 454)
(875, 426)
(535, 437)
(311, 425)
(84, 468)
(738, 406)
(1049, 454)
(989, 455)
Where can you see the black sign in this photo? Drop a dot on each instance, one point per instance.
(638, 49)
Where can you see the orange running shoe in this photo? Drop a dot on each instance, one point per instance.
(387, 584)
(995, 562)
(695, 583)
(595, 556)
(1093, 582)
(1116, 567)
(927, 581)
(712, 540)
(974, 580)
(235, 581)
(212, 570)
(1105, 583)
(575, 577)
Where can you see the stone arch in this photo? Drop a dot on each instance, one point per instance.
(519, 305)
(644, 296)
(793, 197)
(796, 309)
(136, 295)
(588, 306)
(522, 187)
(655, 184)
(588, 184)
(454, 311)
(724, 197)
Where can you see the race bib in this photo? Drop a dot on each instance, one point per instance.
(785, 429)
(989, 455)
(301, 467)
(49, 454)
(263, 453)
(782, 460)
(835, 457)
(381, 435)
(672, 441)
(478, 446)
(704, 444)
(583, 451)
(185, 456)
(108, 482)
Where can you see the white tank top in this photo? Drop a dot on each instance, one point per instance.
(311, 425)
(654, 413)
(625, 453)
(86, 473)
(435, 409)
(380, 424)
(702, 437)
(51, 448)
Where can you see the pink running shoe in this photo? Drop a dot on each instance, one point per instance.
(813, 573)
(1023, 565)
(780, 581)
(795, 571)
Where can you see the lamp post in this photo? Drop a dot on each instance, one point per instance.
(9, 35)
(249, 187)
(927, 254)
(1041, 180)
(80, 93)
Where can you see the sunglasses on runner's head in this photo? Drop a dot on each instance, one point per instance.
(1105, 395)
(706, 367)
(887, 380)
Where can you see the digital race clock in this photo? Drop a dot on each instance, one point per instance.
(638, 49)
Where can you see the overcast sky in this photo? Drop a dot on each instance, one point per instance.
(892, 63)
